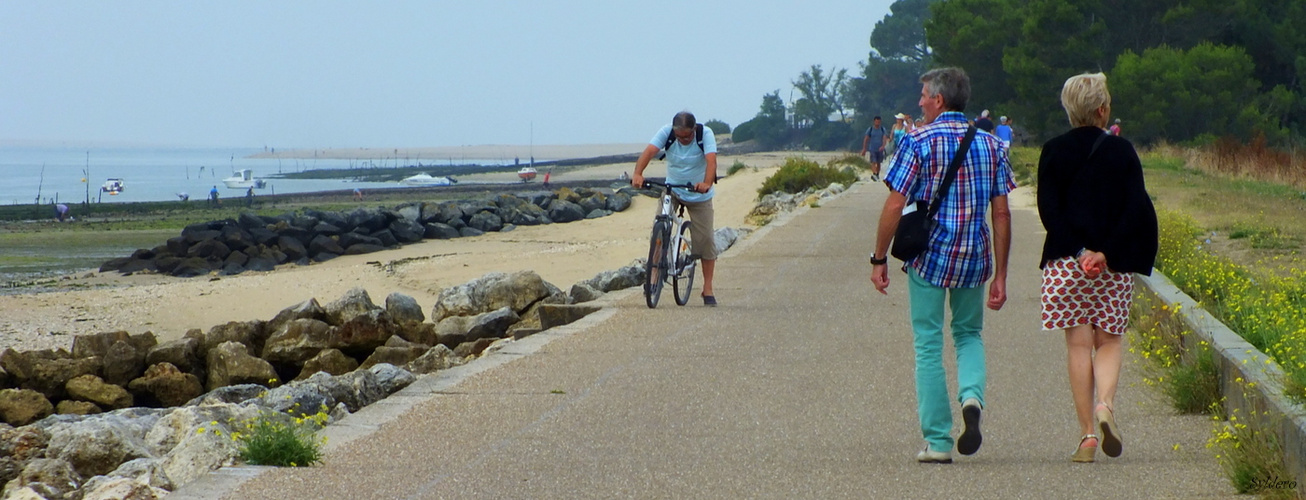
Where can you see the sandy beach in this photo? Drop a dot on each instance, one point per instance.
(561, 253)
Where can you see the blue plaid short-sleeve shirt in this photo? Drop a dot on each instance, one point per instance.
(960, 253)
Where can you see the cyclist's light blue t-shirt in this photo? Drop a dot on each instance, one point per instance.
(686, 164)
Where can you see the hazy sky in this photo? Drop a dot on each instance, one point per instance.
(405, 74)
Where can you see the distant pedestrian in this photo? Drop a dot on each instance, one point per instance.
(358, 194)
(874, 142)
(1115, 128)
(61, 212)
(249, 197)
(183, 196)
(546, 177)
(984, 122)
(1003, 131)
(213, 197)
(961, 255)
(1101, 228)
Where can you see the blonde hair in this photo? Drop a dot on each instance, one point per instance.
(1082, 95)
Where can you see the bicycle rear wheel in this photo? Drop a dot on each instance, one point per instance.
(655, 268)
(682, 283)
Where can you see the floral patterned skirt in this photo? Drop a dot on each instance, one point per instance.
(1071, 298)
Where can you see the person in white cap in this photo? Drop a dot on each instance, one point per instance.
(983, 122)
(1003, 131)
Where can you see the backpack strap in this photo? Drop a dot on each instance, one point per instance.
(671, 138)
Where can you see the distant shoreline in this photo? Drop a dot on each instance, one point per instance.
(479, 152)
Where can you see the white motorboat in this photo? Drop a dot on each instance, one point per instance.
(244, 180)
(113, 187)
(426, 180)
(526, 174)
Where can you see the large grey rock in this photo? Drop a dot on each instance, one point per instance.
(354, 302)
(597, 213)
(565, 211)
(485, 221)
(71, 407)
(493, 324)
(298, 341)
(308, 309)
(121, 488)
(96, 446)
(440, 231)
(145, 470)
(436, 358)
(122, 363)
(97, 345)
(407, 230)
(186, 453)
(581, 292)
(618, 279)
(94, 389)
(469, 232)
(230, 364)
(183, 354)
(57, 474)
(725, 237)
(167, 385)
(231, 394)
(391, 378)
(363, 333)
(394, 355)
(19, 407)
(331, 361)
(618, 202)
(292, 247)
(403, 309)
(46, 371)
(324, 244)
(492, 291)
(350, 239)
(250, 334)
(552, 315)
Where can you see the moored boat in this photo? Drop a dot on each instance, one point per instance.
(427, 180)
(526, 174)
(113, 186)
(244, 180)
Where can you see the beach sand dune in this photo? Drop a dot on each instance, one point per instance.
(561, 253)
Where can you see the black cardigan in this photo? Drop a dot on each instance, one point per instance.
(1100, 205)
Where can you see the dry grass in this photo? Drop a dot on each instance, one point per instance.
(1254, 160)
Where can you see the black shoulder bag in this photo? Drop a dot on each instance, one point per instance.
(913, 234)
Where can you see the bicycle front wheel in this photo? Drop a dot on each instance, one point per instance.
(682, 283)
(655, 268)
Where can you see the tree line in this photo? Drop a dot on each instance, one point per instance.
(1186, 71)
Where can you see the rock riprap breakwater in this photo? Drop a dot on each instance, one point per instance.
(252, 242)
(122, 412)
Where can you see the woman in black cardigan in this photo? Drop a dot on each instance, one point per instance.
(1101, 228)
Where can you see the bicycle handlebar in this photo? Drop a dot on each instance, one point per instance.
(653, 183)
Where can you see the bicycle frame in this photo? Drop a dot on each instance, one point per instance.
(665, 247)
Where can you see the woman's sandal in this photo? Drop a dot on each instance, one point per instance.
(1086, 452)
(1106, 423)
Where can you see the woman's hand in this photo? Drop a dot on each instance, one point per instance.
(1092, 263)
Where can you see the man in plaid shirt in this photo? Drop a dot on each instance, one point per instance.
(960, 257)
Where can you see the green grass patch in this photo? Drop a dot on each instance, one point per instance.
(799, 174)
(736, 167)
(282, 440)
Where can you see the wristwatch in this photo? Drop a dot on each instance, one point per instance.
(879, 262)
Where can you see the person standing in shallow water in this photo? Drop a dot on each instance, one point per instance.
(960, 257)
(1101, 227)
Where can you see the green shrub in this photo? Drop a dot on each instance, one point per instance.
(739, 165)
(799, 174)
(856, 161)
(282, 440)
(718, 127)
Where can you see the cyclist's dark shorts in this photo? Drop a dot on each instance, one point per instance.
(701, 231)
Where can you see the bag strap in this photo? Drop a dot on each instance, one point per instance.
(671, 138)
(1098, 142)
(952, 173)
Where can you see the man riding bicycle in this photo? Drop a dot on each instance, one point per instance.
(691, 159)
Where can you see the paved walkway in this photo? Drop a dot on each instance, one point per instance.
(799, 385)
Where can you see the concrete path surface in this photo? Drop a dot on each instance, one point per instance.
(800, 385)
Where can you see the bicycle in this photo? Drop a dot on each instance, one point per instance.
(668, 250)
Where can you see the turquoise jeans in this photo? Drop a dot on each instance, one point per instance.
(932, 402)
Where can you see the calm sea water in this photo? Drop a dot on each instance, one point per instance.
(160, 174)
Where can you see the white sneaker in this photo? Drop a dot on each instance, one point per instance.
(928, 456)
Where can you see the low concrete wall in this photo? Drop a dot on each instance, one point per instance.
(1265, 401)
